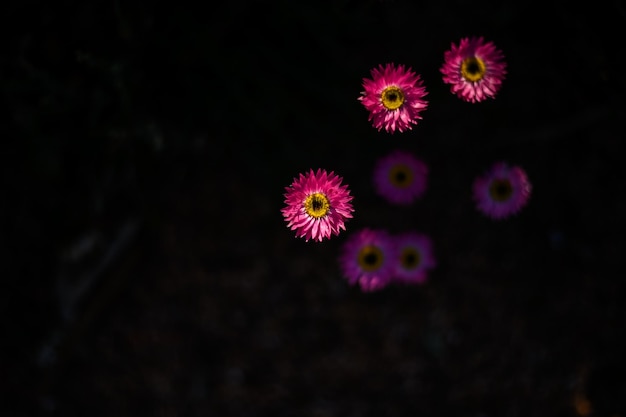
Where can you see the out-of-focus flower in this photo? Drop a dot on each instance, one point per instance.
(400, 177)
(501, 191)
(414, 257)
(366, 259)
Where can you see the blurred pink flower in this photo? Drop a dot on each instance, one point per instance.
(475, 69)
(317, 205)
(502, 191)
(367, 259)
(400, 177)
(394, 97)
(414, 258)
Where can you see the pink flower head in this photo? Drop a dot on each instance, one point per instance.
(400, 177)
(367, 259)
(414, 257)
(475, 69)
(394, 97)
(502, 191)
(317, 205)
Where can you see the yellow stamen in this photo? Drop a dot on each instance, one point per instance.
(500, 190)
(392, 97)
(316, 205)
(400, 176)
(410, 258)
(473, 69)
(370, 258)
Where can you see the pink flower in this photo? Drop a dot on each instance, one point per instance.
(367, 259)
(400, 177)
(413, 258)
(474, 69)
(317, 205)
(502, 191)
(394, 97)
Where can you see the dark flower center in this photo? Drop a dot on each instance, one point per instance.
(410, 258)
(392, 97)
(400, 176)
(316, 205)
(370, 258)
(473, 69)
(501, 190)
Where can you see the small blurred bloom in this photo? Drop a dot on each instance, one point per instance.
(400, 177)
(367, 259)
(414, 258)
(317, 205)
(502, 191)
(475, 69)
(394, 97)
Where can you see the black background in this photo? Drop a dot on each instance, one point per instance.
(147, 267)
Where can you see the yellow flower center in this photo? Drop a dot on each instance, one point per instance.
(392, 97)
(500, 190)
(370, 258)
(316, 205)
(473, 69)
(410, 258)
(400, 176)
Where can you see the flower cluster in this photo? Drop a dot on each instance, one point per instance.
(394, 96)
(318, 204)
(374, 258)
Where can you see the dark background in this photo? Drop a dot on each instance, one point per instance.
(147, 269)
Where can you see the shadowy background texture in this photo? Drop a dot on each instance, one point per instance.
(147, 268)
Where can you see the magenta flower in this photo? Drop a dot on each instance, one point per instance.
(474, 69)
(394, 97)
(502, 191)
(400, 177)
(317, 205)
(367, 259)
(414, 258)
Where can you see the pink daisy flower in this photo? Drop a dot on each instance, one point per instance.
(414, 258)
(502, 191)
(317, 205)
(475, 69)
(400, 177)
(367, 259)
(394, 97)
